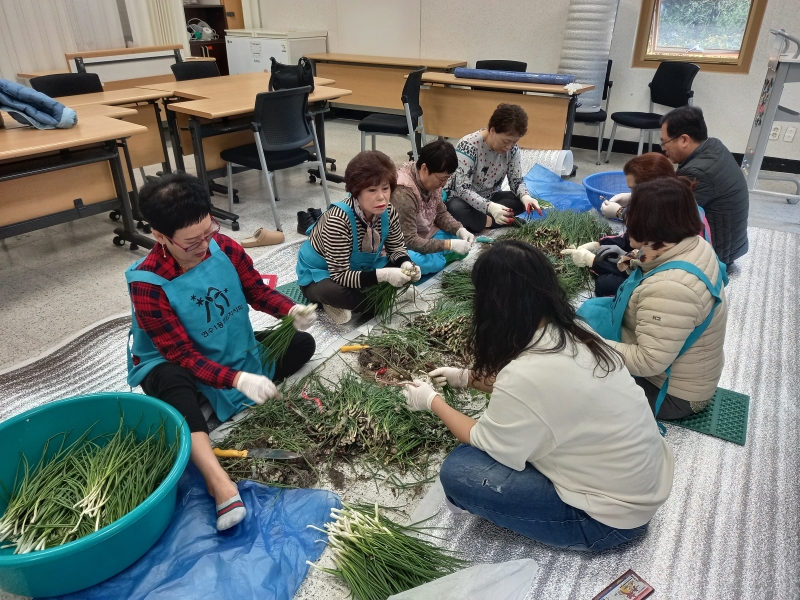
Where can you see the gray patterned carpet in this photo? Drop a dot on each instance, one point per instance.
(731, 528)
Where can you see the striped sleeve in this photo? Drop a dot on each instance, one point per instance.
(332, 239)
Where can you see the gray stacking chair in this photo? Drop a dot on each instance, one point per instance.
(406, 125)
(283, 130)
(671, 86)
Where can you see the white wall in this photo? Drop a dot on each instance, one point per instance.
(532, 30)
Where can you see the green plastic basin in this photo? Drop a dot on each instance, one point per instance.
(104, 553)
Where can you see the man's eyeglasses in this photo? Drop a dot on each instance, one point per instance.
(215, 227)
(665, 142)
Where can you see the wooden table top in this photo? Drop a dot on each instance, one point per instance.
(225, 85)
(124, 96)
(392, 61)
(104, 110)
(21, 142)
(450, 79)
(32, 74)
(230, 105)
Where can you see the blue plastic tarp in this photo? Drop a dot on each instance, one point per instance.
(563, 195)
(544, 78)
(264, 557)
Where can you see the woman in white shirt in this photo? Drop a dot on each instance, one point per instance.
(567, 452)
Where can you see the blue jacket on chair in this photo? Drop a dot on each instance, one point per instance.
(29, 107)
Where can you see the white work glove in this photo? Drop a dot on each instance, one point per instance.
(393, 275)
(622, 199)
(502, 215)
(590, 246)
(530, 204)
(256, 387)
(419, 395)
(465, 235)
(580, 256)
(304, 316)
(456, 378)
(460, 246)
(411, 270)
(610, 210)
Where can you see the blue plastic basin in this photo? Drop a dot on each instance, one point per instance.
(104, 553)
(602, 186)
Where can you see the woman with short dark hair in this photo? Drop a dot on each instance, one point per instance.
(668, 319)
(356, 243)
(567, 452)
(432, 235)
(192, 337)
(485, 158)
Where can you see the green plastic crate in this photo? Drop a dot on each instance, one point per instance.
(725, 417)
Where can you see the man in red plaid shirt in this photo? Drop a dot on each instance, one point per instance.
(192, 337)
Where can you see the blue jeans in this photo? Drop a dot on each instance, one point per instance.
(435, 261)
(525, 502)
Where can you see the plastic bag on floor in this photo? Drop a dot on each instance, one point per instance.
(503, 581)
(563, 195)
(263, 557)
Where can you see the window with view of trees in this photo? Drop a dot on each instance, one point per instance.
(717, 34)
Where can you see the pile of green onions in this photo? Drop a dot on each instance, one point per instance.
(457, 285)
(274, 341)
(83, 487)
(381, 300)
(377, 558)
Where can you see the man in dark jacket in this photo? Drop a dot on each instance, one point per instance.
(721, 187)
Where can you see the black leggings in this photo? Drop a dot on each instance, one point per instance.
(333, 294)
(178, 387)
(474, 220)
(672, 408)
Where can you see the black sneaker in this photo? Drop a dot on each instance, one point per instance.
(315, 213)
(304, 221)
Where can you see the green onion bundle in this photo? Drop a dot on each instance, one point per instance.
(378, 558)
(447, 327)
(274, 341)
(83, 487)
(381, 299)
(457, 285)
(575, 228)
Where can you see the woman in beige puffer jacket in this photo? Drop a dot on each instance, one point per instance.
(666, 307)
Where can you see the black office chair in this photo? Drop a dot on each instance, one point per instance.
(599, 117)
(67, 84)
(195, 69)
(203, 69)
(671, 86)
(501, 65)
(400, 125)
(283, 128)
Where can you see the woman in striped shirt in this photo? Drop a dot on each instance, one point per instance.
(357, 243)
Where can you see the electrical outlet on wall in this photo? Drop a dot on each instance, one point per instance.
(789, 136)
(775, 132)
